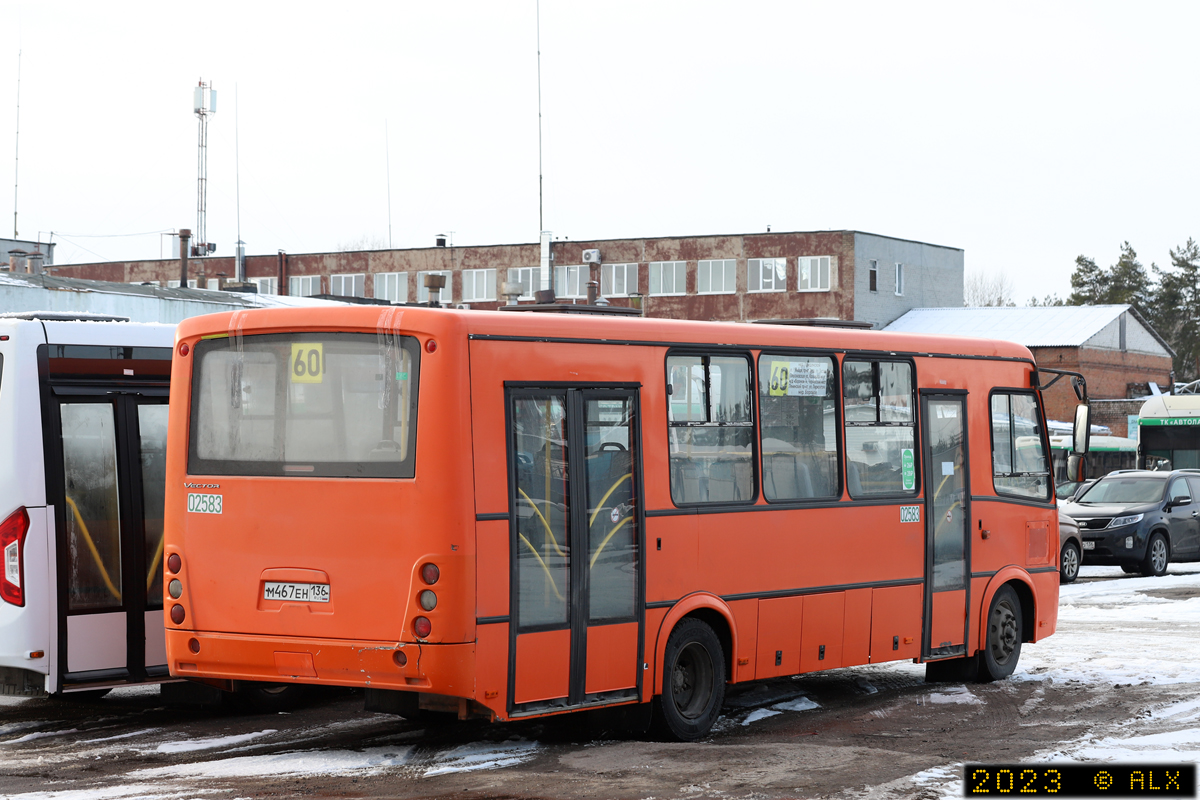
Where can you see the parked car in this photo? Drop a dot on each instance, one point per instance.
(1139, 520)
(1069, 489)
(1070, 548)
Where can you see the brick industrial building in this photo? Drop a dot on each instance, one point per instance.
(848, 275)
(1112, 346)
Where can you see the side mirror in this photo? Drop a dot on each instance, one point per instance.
(1083, 429)
(1076, 468)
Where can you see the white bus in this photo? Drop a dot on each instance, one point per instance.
(1169, 429)
(83, 425)
(1105, 454)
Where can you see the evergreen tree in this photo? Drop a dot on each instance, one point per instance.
(1177, 309)
(1089, 282)
(1128, 283)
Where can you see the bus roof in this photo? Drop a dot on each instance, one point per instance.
(1171, 405)
(616, 330)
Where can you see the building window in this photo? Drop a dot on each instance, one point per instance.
(716, 276)
(266, 285)
(304, 285)
(711, 429)
(479, 285)
(878, 400)
(213, 284)
(446, 295)
(571, 281)
(813, 274)
(899, 279)
(530, 279)
(392, 286)
(1019, 465)
(192, 284)
(618, 280)
(767, 274)
(668, 277)
(873, 276)
(353, 285)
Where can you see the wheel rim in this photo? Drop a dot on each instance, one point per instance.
(1158, 555)
(692, 681)
(1004, 638)
(1070, 562)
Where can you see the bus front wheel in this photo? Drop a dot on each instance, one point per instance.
(1003, 649)
(693, 682)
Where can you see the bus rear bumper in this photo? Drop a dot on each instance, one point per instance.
(445, 669)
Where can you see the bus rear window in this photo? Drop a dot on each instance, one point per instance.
(339, 405)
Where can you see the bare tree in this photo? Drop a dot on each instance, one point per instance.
(983, 288)
(364, 242)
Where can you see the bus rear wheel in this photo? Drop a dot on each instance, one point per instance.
(1004, 635)
(693, 682)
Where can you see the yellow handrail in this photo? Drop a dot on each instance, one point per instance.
(151, 575)
(549, 531)
(616, 528)
(600, 505)
(549, 577)
(87, 537)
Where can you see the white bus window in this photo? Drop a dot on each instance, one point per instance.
(880, 428)
(711, 429)
(331, 405)
(1020, 467)
(152, 433)
(798, 407)
(93, 520)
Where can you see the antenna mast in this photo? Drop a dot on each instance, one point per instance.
(541, 224)
(204, 105)
(388, 162)
(17, 157)
(240, 271)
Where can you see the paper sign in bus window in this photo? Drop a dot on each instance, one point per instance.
(308, 362)
(799, 378)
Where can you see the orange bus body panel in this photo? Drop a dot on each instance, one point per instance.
(789, 589)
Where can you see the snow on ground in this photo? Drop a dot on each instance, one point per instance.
(1117, 632)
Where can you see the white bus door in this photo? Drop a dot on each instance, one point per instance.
(106, 473)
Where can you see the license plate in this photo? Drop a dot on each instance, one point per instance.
(1089, 545)
(297, 592)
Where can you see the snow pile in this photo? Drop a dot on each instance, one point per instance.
(307, 762)
(188, 745)
(470, 757)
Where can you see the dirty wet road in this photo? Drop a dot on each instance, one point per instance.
(1118, 671)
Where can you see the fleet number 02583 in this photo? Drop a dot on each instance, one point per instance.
(204, 503)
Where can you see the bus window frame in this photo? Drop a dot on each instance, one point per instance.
(717, 351)
(276, 469)
(881, 356)
(839, 432)
(1042, 434)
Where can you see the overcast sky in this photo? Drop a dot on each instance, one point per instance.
(1025, 134)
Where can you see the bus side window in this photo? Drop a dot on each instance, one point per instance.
(797, 403)
(1019, 464)
(711, 429)
(880, 427)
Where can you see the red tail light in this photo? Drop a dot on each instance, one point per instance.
(430, 573)
(12, 550)
(422, 627)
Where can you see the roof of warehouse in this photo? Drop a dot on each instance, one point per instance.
(1040, 326)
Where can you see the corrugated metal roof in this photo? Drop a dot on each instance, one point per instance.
(1041, 326)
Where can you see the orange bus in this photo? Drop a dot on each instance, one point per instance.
(518, 514)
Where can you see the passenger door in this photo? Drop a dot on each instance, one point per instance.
(106, 471)
(947, 524)
(576, 544)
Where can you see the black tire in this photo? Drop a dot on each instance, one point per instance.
(1068, 563)
(693, 682)
(273, 697)
(1003, 650)
(1158, 555)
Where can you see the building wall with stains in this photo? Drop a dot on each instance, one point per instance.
(837, 289)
